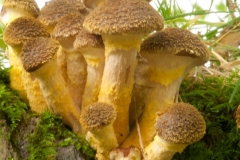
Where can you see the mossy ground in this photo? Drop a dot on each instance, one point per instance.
(217, 98)
(51, 132)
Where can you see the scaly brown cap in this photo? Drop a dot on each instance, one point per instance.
(54, 10)
(37, 52)
(97, 115)
(23, 29)
(85, 39)
(175, 41)
(123, 17)
(25, 5)
(91, 3)
(68, 26)
(181, 123)
(79, 5)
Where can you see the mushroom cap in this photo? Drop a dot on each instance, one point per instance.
(175, 41)
(54, 10)
(85, 39)
(68, 26)
(22, 29)
(25, 5)
(91, 3)
(79, 5)
(123, 17)
(37, 52)
(97, 115)
(181, 123)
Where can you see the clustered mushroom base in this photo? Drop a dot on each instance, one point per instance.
(132, 84)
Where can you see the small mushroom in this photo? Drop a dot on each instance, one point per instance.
(98, 119)
(65, 32)
(92, 48)
(39, 57)
(15, 35)
(170, 53)
(122, 25)
(177, 127)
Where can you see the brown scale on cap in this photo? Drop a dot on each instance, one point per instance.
(37, 52)
(176, 41)
(54, 10)
(25, 5)
(97, 116)
(68, 26)
(23, 29)
(181, 123)
(79, 5)
(85, 39)
(123, 17)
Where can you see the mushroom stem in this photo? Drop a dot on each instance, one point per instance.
(159, 149)
(15, 73)
(126, 154)
(118, 80)
(57, 95)
(77, 73)
(95, 66)
(103, 148)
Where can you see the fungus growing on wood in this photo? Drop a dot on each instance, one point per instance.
(122, 35)
(92, 48)
(15, 35)
(177, 127)
(170, 53)
(65, 32)
(39, 57)
(98, 119)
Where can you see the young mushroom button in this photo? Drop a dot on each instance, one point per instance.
(98, 119)
(177, 127)
(122, 25)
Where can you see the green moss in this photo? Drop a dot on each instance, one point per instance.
(11, 107)
(211, 96)
(52, 133)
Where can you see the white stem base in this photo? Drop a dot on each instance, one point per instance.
(160, 149)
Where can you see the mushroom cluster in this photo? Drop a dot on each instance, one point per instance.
(87, 62)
